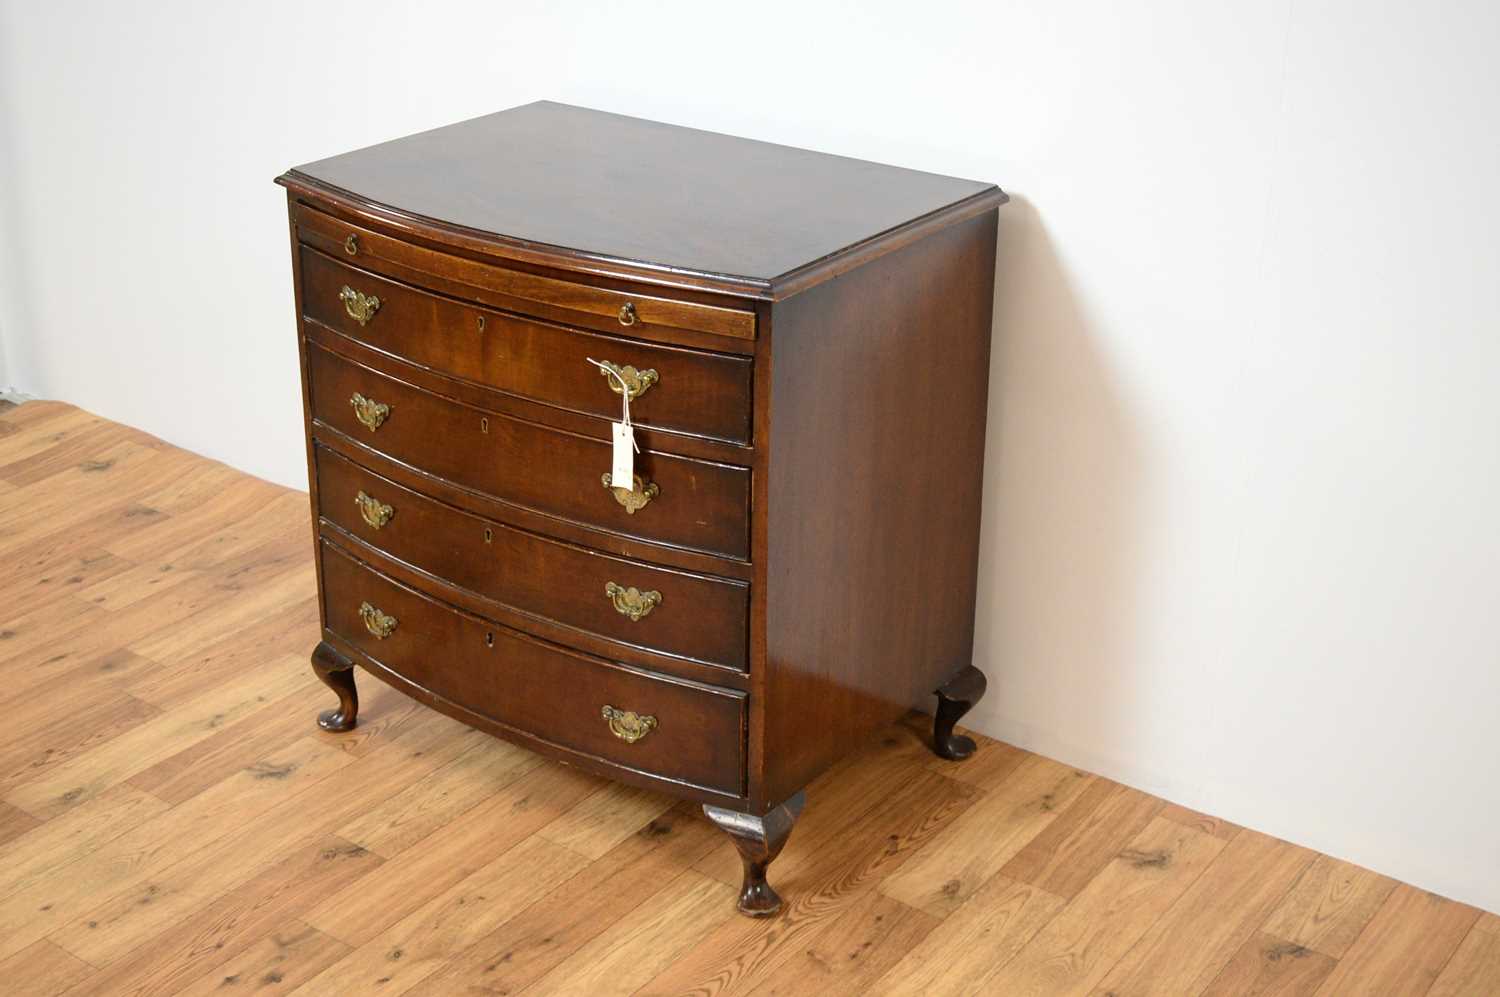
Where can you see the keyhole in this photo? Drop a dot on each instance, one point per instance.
(489, 639)
(488, 535)
(484, 424)
(481, 323)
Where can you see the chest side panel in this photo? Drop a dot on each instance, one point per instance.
(878, 404)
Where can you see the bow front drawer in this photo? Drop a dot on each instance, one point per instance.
(672, 388)
(697, 616)
(573, 301)
(622, 717)
(678, 501)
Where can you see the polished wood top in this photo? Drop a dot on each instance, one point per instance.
(607, 186)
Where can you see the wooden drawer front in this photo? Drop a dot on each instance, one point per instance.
(599, 307)
(534, 686)
(699, 505)
(706, 394)
(698, 617)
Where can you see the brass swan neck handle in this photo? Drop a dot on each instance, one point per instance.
(631, 602)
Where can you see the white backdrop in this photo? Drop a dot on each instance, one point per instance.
(1240, 544)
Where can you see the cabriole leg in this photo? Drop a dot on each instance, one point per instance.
(759, 840)
(337, 672)
(954, 700)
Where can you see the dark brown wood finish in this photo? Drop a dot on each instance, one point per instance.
(312, 477)
(337, 672)
(954, 700)
(875, 480)
(700, 617)
(820, 332)
(478, 396)
(692, 391)
(758, 840)
(674, 199)
(700, 505)
(714, 323)
(536, 687)
(495, 509)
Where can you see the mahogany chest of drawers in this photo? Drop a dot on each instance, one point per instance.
(804, 340)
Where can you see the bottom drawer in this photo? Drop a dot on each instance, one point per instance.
(684, 732)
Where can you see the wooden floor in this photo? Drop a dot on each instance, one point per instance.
(171, 821)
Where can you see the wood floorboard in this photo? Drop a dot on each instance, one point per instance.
(172, 822)
(1188, 945)
(1086, 835)
(280, 962)
(42, 970)
(1267, 965)
(14, 822)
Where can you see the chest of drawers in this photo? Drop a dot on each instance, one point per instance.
(804, 340)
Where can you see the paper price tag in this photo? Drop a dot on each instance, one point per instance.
(622, 463)
(622, 470)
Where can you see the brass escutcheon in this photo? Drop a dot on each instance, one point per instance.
(361, 307)
(628, 726)
(637, 382)
(378, 623)
(369, 412)
(373, 511)
(636, 496)
(632, 602)
(627, 314)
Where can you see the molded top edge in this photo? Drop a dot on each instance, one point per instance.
(586, 190)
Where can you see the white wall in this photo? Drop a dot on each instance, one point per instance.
(9, 273)
(1241, 544)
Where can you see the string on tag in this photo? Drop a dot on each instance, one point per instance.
(624, 396)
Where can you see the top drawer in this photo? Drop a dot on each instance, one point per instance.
(688, 391)
(603, 308)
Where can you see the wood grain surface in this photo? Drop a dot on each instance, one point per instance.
(172, 822)
(680, 199)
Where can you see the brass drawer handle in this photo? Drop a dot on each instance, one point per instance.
(378, 623)
(633, 498)
(628, 726)
(369, 412)
(351, 245)
(373, 511)
(632, 602)
(627, 314)
(637, 382)
(361, 307)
